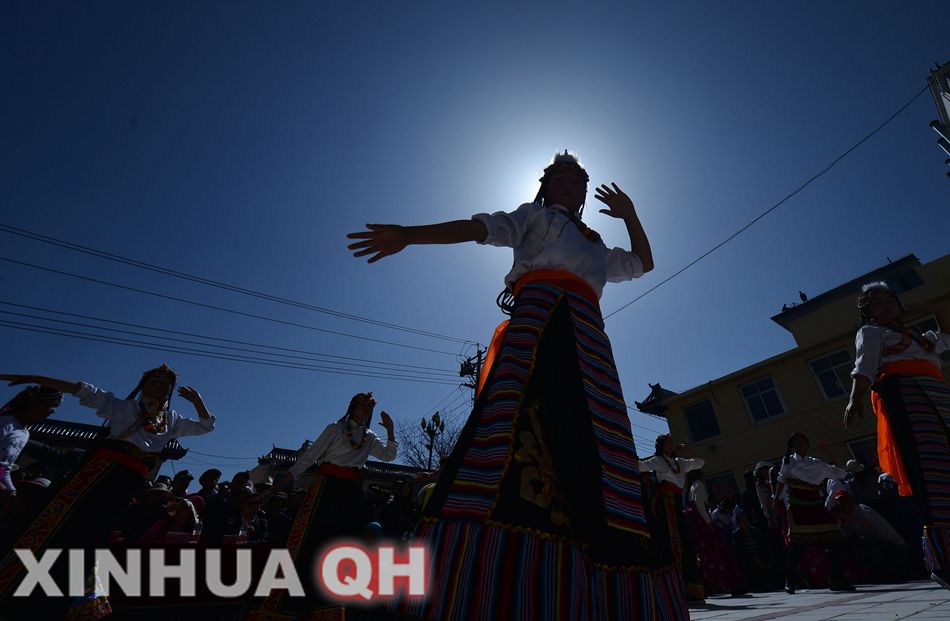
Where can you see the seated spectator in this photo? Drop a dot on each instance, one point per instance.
(722, 516)
(180, 518)
(142, 515)
(180, 484)
(250, 524)
(264, 484)
(209, 484)
(278, 520)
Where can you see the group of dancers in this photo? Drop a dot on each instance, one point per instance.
(540, 511)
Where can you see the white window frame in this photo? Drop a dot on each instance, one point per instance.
(845, 388)
(778, 395)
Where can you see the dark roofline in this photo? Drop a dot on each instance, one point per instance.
(846, 290)
(284, 458)
(83, 435)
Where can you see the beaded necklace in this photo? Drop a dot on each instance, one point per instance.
(349, 436)
(674, 466)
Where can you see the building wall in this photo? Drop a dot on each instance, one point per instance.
(742, 441)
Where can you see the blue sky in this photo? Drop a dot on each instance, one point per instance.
(241, 142)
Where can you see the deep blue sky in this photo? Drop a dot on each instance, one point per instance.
(242, 141)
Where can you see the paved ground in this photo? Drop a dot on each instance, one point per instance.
(912, 600)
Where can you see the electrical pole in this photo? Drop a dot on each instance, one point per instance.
(939, 82)
(432, 428)
(472, 368)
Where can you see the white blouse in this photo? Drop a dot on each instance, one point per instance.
(123, 413)
(545, 238)
(809, 470)
(699, 496)
(664, 468)
(333, 446)
(870, 342)
(13, 437)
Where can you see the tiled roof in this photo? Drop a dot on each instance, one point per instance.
(283, 457)
(82, 435)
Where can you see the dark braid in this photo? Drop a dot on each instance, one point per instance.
(790, 445)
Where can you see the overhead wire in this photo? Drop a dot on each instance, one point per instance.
(215, 283)
(770, 209)
(343, 365)
(218, 308)
(210, 355)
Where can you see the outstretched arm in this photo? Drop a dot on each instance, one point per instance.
(382, 240)
(620, 206)
(47, 382)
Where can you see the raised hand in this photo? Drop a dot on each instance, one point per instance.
(386, 421)
(618, 203)
(381, 240)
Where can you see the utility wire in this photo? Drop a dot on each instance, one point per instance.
(6, 228)
(770, 209)
(400, 366)
(218, 308)
(206, 354)
(442, 374)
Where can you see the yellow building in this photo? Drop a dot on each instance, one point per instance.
(745, 417)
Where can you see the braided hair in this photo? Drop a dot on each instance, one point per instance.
(561, 161)
(660, 441)
(362, 398)
(790, 445)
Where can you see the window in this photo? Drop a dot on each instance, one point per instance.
(865, 451)
(923, 325)
(701, 420)
(905, 281)
(762, 399)
(833, 373)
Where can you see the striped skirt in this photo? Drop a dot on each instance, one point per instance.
(917, 409)
(80, 514)
(538, 513)
(808, 520)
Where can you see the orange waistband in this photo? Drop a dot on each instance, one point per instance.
(129, 461)
(569, 281)
(341, 472)
(669, 488)
(910, 367)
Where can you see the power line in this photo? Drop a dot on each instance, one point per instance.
(205, 354)
(217, 284)
(442, 373)
(770, 209)
(214, 338)
(218, 308)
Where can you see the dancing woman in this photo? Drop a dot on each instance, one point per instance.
(671, 472)
(84, 508)
(334, 506)
(538, 513)
(911, 399)
(809, 522)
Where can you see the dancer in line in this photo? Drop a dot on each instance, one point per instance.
(809, 522)
(83, 510)
(671, 472)
(539, 512)
(911, 399)
(334, 505)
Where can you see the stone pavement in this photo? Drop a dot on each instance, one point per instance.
(911, 600)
